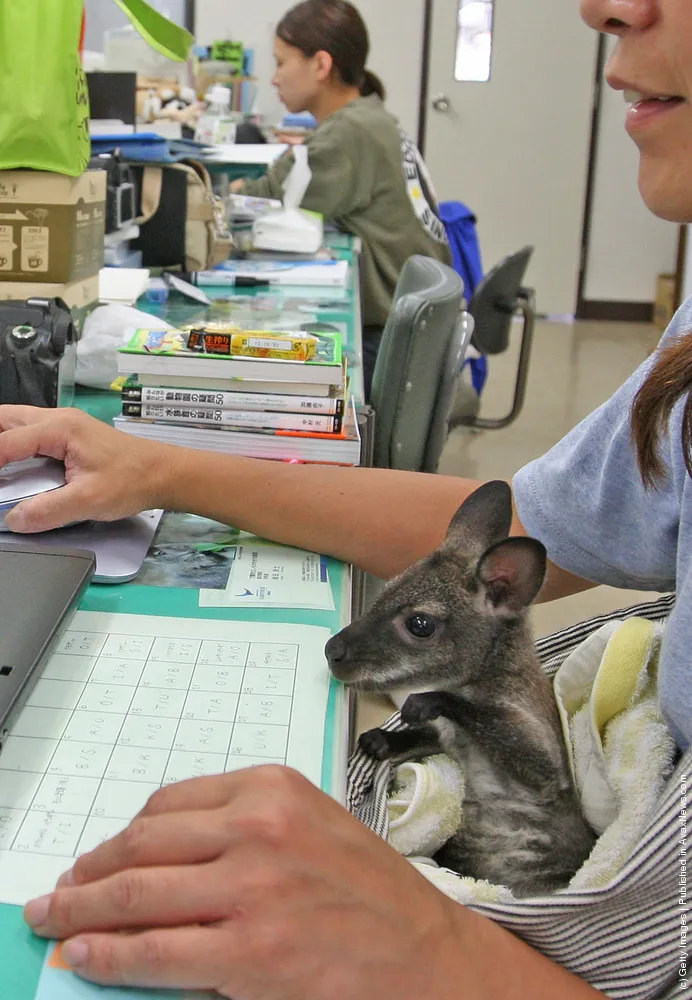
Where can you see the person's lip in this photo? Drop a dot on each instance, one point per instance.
(647, 107)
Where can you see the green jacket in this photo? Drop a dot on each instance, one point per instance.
(369, 178)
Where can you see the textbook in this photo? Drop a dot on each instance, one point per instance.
(336, 449)
(309, 423)
(273, 402)
(166, 352)
(190, 383)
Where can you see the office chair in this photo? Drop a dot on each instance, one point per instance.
(418, 366)
(498, 298)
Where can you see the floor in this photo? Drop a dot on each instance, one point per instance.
(573, 370)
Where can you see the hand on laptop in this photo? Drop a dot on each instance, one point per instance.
(109, 475)
(259, 886)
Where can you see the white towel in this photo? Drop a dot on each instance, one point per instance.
(425, 805)
(620, 752)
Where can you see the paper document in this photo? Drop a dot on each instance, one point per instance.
(311, 272)
(272, 576)
(123, 285)
(128, 703)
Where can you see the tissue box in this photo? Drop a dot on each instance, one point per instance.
(289, 231)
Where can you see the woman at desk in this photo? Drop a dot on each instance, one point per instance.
(367, 175)
(259, 886)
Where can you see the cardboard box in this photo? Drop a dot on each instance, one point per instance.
(51, 226)
(665, 304)
(80, 296)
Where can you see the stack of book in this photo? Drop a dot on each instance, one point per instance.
(188, 388)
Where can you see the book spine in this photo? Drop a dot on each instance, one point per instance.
(226, 400)
(302, 422)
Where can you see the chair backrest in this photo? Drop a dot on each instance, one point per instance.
(495, 301)
(447, 393)
(418, 366)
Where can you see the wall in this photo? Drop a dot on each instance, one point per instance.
(398, 65)
(104, 15)
(629, 246)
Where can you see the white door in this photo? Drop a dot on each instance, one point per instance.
(515, 148)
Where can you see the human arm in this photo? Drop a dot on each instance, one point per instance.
(378, 519)
(224, 885)
(339, 182)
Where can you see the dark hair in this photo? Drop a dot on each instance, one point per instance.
(669, 380)
(336, 27)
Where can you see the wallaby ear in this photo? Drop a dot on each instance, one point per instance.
(513, 573)
(483, 519)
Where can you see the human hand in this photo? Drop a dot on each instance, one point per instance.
(237, 186)
(109, 474)
(290, 139)
(259, 886)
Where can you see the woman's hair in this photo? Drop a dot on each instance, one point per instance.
(669, 380)
(336, 27)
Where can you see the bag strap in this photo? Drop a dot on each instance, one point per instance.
(29, 388)
(152, 184)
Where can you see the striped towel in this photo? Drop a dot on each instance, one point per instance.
(622, 934)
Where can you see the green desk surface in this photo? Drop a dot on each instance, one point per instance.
(21, 955)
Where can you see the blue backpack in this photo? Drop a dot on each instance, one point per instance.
(460, 223)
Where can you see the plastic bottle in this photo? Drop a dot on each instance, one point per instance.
(216, 126)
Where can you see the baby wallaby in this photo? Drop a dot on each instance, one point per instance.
(449, 641)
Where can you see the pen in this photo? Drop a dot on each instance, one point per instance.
(225, 279)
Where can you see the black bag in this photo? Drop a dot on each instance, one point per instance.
(38, 353)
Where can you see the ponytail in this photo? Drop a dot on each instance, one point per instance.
(372, 85)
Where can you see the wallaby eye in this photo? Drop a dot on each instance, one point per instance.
(422, 626)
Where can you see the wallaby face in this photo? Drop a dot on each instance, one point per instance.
(436, 624)
(449, 640)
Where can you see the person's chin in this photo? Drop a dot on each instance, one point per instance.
(294, 107)
(665, 190)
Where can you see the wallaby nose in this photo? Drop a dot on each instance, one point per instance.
(336, 649)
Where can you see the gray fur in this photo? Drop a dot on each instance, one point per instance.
(476, 691)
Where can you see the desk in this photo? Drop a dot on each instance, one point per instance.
(339, 307)
(21, 955)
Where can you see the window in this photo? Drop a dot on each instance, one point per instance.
(474, 40)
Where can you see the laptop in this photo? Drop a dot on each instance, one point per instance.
(40, 588)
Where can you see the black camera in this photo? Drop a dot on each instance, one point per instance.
(120, 190)
(38, 353)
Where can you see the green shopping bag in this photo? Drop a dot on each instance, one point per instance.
(44, 105)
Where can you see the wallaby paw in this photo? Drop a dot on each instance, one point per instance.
(375, 744)
(419, 708)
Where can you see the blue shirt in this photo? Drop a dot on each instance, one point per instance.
(586, 502)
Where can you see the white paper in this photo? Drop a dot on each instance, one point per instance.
(272, 576)
(122, 284)
(298, 180)
(129, 703)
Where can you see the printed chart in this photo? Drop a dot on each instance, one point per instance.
(130, 703)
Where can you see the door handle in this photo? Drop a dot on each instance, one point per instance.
(441, 103)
